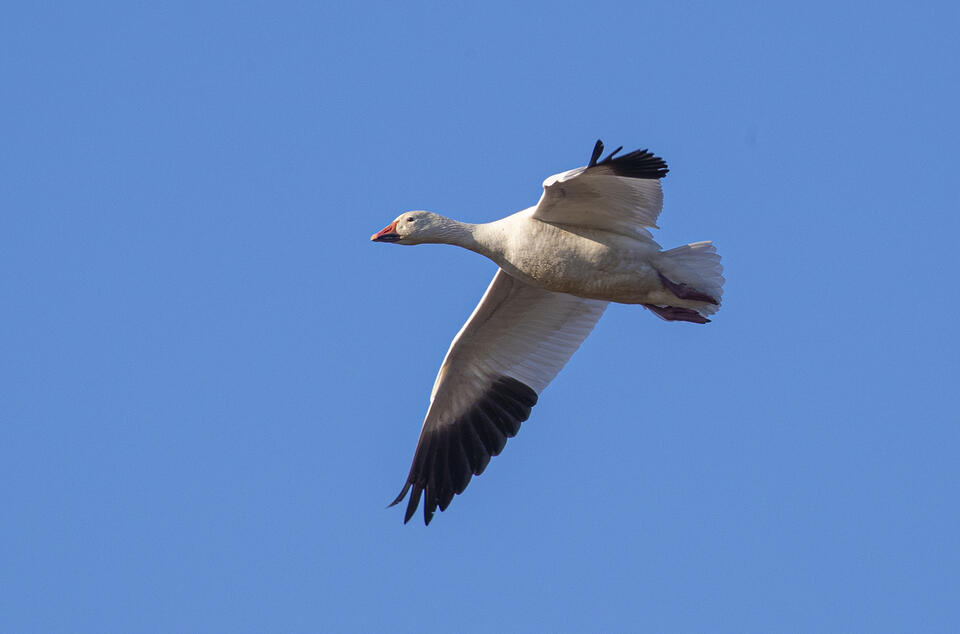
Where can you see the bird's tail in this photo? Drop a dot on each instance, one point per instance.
(694, 274)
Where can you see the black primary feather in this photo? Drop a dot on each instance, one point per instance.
(597, 151)
(449, 456)
(636, 164)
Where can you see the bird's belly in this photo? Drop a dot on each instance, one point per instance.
(590, 268)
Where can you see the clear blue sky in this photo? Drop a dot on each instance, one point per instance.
(212, 383)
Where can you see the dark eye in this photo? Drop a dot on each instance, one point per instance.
(409, 219)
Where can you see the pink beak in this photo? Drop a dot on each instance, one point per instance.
(387, 234)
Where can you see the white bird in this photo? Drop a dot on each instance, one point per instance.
(583, 245)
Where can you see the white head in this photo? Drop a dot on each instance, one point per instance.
(417, 227)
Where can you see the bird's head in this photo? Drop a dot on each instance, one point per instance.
(414, 227)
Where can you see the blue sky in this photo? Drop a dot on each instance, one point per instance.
(213, 382)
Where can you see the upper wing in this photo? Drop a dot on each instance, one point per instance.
(621, 195)
(517, 339)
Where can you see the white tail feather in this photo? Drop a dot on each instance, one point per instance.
(698, 266)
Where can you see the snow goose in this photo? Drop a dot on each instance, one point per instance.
(583, 245)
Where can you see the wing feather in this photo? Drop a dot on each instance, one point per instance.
(515, 342)
(621, 195)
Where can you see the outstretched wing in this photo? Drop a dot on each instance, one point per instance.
(621, 195)
(517, 339)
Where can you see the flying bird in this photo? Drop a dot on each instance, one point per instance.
(584, 244)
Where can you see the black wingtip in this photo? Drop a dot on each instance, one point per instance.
(636, 164)
(427, 508)
(403, 494)
(449, 455)
(597, 151)
(612, 154)
(414, 503)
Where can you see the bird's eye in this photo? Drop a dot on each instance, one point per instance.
(409, 219)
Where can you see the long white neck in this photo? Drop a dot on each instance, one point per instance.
(480, 238)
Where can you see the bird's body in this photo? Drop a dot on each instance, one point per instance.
(583, 245)
(590, 263)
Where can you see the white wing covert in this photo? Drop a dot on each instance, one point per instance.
(621, 195)
(515, 342)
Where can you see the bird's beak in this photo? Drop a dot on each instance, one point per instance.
(387, 234)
